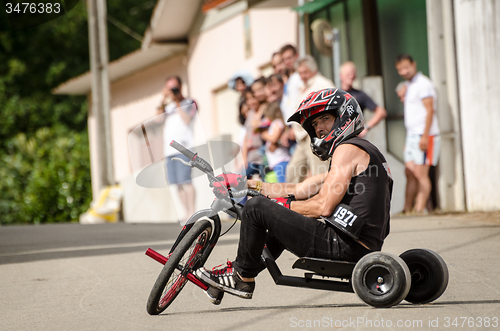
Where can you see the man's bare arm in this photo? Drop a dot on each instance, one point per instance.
(187, 117)
(379, 114)
(348, 161)
(429, 105)
(304, 190)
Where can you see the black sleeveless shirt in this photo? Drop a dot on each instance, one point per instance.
(369, 194)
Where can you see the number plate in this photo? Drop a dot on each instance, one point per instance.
(345, 218)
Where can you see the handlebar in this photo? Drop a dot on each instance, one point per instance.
(246, 193)
(196, 161)
(204, 166)
(183, 150)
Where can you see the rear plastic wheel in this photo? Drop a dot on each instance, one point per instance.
(381, 280)
(185, 258)
(429, 275)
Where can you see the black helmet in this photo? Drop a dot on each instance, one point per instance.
(348, 123)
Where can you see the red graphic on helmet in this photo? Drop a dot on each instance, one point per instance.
(348, 121)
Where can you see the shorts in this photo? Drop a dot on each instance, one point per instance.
(414, 153)
(178, 173)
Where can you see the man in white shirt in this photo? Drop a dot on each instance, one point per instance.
(180, 113)
(304, 162)
(422, 133)
(293, 86)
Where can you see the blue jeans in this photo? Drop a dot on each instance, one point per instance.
(280, 171)
(178, 173)
(255, 168)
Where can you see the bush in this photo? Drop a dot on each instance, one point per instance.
(45, 177)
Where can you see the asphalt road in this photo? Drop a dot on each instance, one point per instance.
(96, 277)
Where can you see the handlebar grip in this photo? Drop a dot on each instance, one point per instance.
(253, 193)
(247, 193)
(190, 155)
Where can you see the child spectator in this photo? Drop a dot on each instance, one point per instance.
(243, 113)
(253, 142)
(277, 155)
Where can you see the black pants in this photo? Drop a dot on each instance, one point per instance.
(266, 223)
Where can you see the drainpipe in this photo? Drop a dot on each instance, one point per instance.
(302, 33)
(98, 45)
(454, 100)
(440, 34)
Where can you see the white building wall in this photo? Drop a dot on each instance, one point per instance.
(477, 27)
(134, 99)
(374, 87)
(218, 52)
(215, 54)
(443, 73)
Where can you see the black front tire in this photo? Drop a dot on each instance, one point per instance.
(185, 258)
(429, 275)
(381, 280)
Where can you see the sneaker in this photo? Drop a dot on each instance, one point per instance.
(227, 279)
(215, 295)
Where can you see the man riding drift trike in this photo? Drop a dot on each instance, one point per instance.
(356, 190)
(335, 222)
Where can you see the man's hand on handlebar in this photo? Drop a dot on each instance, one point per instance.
(285, 202)
(235, 181)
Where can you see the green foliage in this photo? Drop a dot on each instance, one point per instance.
(44, 157)
(45, 177)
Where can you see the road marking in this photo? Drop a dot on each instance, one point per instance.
(226, 237)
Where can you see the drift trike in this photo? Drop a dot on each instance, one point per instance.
(379, 279)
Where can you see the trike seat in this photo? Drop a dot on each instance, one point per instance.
(325, 267)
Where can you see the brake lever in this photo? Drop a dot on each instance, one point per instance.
(189, 164)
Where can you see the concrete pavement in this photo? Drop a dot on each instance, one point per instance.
(73, 277)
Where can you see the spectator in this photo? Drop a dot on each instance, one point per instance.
(347, 77)
(240, 81)
(274, 88)
(401, 91)
(291, 93)
(303, 162)
(251, 148)
(179, 115)
(259, 92)
(242, 116)
(279, 66)
(311, 78)
(293, 86)
(422, 133)
(259, 89)
(250, 100)
(277, 156)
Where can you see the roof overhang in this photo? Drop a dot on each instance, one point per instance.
(171, 21)
(167, 35)
(123, 67)
(315, 5)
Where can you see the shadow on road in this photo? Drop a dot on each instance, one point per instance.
(329, 306)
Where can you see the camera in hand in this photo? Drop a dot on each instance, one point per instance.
(175, 90)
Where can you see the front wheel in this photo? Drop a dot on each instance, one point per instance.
(185, 258)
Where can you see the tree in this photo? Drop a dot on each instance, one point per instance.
(33, 62)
